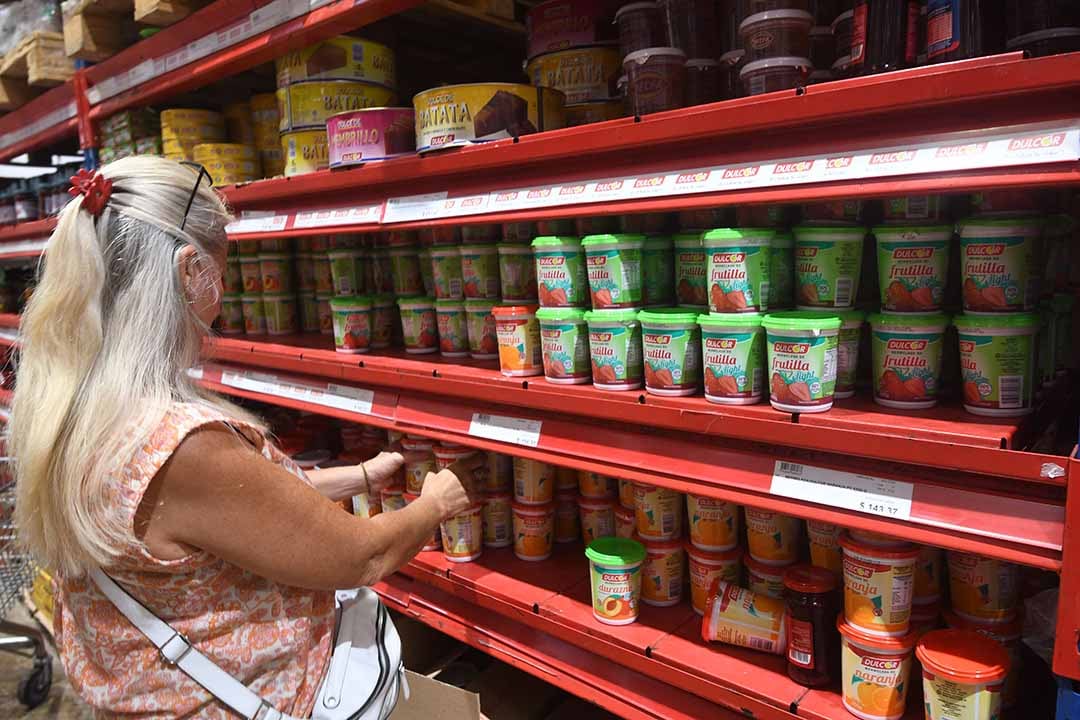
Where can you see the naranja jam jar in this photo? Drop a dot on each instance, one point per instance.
(810, 594)
(656, 79)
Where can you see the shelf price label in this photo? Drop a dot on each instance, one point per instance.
(519, 431)
(257, 222)
(340, 397)
(850, 491)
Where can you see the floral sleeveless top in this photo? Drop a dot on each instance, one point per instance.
(274, 638)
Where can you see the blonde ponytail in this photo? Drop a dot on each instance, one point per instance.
(106, 342)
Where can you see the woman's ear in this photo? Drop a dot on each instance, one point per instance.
(187, 269)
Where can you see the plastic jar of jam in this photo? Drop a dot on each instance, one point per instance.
(640, 26)
(692, 26)
(822, 47)
(963, 29)
(884, 36)
(703, 81)
(656, 79)
(1043, 27)
(812, 605)
(776, 33)
(842, 29)
(730, 62)
(773, 74)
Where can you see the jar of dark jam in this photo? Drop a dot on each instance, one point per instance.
(812, 606)
(964, 29)
(884, 36)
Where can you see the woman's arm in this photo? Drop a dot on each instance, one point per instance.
(217, 494)
(341, 483)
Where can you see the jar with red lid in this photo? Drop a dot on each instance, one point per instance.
(640, 26)
(692, 26)
(776, 33)
(703, 81)
(812, 606)
(656, 79)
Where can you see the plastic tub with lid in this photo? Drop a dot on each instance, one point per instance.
(615, 349)
(963, 675)
(874, 672)
(997, 361)
(733, 357)
(640, 26)
(776, 33)
(704, 81)
(706, 567)
(564, 339)
(774, 74)
(907, 358)
(801, 360)
(615, 574)
(656, 79)
(671, 343)
(518, 331)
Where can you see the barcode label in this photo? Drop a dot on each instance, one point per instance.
(862, 493)
(789, 467)
(519, 431)
(918, 207)
(1011, 391)
(843, 291)
(799, 658)
(757, 643)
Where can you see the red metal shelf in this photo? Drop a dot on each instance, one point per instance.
(1020, 522)
(50, 104)
(576, 669)
(25, 241)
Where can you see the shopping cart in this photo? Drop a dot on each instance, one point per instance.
(16, 575)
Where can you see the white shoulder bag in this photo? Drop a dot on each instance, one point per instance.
(362, 682)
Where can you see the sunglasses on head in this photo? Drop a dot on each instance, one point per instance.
(191, 198)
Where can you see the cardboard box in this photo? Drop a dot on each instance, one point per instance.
(430, 699)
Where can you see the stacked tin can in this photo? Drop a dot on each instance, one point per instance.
(264, 288)
(572, 48)
(266, 133)
(330, 77)
(131, 132)
(184, 128)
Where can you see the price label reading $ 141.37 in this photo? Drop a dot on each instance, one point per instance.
(851, 491)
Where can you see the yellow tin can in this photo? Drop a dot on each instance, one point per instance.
(209, 152)
(457, 115)
(305, 151)
(272, 161)
(266, 121)
(582, 74)
(239, 123)
(228, 163)
(183, 128)
(308, 104)
(339, 58)
(593, 112)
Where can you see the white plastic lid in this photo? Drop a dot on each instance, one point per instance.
(820, 30)
(843, 17)
(702, 63)
(769, 15)
(642, 56)
(637, 6)
(842, 63)
(732, 57)
(776, 62)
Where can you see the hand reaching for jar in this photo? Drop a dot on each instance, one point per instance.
(371, 476)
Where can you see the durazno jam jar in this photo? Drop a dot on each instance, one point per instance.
(640, 26)
(656, 79)
(812, 605)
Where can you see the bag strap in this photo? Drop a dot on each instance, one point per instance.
(176, 650)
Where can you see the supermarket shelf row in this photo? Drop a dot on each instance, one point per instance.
(991, 515)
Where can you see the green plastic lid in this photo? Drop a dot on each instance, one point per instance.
(668, 316)
(716, 320)
(417, 301)
(615, 551)
(513, 249)
(619, 315)
(479, 304)
(810, 232)
(688, 240)
(919, 320)
(478, 249)
(1063, 302)
(554, 241)
(449, 304)
(729, 234)
(593, 240)
(802, 320)
(982, 322)
(347, 302)
(565, 313)
(231, 297)
(894, 229)
(783, 238)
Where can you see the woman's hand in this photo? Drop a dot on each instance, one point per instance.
(450, 488)
(382, 471)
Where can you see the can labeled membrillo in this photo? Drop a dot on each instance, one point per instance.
(360, 136)
(458, 115)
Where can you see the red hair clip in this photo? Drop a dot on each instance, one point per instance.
(94, 187)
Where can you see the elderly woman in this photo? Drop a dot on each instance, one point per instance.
(124, 464)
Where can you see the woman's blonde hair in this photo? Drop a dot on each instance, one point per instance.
(106, 342)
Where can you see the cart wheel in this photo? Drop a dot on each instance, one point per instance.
(34, 688)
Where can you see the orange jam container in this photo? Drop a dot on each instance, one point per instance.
(625, 522)
(929, 575)
(878, 585)
(874, 672)
(658, 512)
(663, 573)
(595, 485)
(714, 524)
(824, 546)
(447, 454)
(534, 531)
(597, 518)
(764, 579)
(1008, 634)
(566, 479)
(463, 535)
(615, 577)
(772, 538)
(567, 523)
(963, 675)
(419, 461)
(434, 543)
(706, 567)
(626, 493)
(498, 520)
(982, 588)
(738, 616)
(534, 481)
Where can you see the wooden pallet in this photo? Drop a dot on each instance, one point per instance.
(97, 29)
(39, 58)
(164, 12)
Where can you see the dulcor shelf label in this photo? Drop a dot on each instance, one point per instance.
(519, 431)
(850, 491)
(341, 397)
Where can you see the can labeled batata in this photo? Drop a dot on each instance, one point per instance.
(339, 58)
(309, 104)
(305, 151)
(581, 74)
(458, 115)
(360, 136)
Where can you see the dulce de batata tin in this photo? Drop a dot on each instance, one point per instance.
(360, 136)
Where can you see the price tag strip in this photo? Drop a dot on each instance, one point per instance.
(21, 247)
(851, 491)
(518, 431)
(341, 397)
